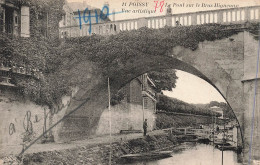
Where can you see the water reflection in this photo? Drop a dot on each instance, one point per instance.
(199, 154)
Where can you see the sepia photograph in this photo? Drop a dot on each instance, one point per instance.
(129, 82)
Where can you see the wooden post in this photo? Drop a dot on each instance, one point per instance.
(109, 109)
(143, 107)
(222, 155)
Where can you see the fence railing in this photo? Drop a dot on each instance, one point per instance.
(221, 16)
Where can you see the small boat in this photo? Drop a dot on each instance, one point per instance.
(226, 146)
(220, 142)
(147, 155)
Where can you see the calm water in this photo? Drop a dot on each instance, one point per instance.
(195, 154)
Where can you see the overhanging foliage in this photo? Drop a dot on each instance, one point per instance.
(111, 53)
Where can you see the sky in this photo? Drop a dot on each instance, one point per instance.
(193, 89)
(189, 88)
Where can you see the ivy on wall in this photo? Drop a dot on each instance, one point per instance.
(44, 17)
(111, 53)
(115, 51)
(34, 53)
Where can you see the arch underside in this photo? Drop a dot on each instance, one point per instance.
(208, 62)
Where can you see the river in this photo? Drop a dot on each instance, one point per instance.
(196, 154)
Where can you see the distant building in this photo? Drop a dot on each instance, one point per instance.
(218, 110)
(141, 100)
(69, 26)
(68, 20)
(141, 91)
(94, 12)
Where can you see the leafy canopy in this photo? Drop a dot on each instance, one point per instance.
(62, 63)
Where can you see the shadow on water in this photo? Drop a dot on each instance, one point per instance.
(194, 154)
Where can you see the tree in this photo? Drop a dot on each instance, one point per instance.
(164, 79)
(169, 104)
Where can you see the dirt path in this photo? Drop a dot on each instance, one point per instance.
(105, 139)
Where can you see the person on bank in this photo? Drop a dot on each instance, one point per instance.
(217, 129)
(145, 127)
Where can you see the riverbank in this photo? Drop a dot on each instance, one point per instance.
(94, 151)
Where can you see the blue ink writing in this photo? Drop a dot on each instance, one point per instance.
(87, 16)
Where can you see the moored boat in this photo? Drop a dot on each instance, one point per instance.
(148, 155)
(220, 142)
(226, 146)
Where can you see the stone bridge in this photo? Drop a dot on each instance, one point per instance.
(223, 16)
(230, 65)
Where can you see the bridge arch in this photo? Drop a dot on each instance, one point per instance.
(215, 76)
(217, 62)
(227, 64)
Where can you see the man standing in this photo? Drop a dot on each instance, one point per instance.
(145, 127)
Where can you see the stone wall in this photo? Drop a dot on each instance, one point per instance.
(125, 117)
(251, 47)
(22, 121)
(251, 87)
(252, 119)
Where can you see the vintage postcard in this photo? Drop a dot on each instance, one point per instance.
(129, 82)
